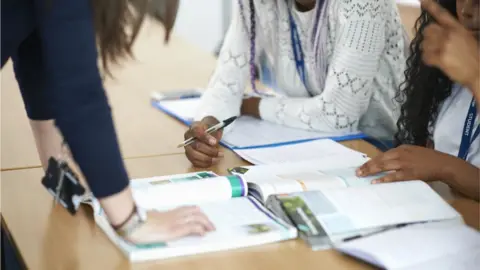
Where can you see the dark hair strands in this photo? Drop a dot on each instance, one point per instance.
(423, 90)
(118, 23)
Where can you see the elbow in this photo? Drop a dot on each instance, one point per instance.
(73, 105)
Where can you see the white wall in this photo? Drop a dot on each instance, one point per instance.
(202, 22)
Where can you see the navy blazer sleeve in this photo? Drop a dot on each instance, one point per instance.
(76, 93)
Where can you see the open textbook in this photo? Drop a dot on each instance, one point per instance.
(332, 204)
(436, 245)
(327, 217)
(240, 220)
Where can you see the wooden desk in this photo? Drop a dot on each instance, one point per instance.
(52, 239)
(142, 130)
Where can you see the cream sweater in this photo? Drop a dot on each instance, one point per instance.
(365, 53)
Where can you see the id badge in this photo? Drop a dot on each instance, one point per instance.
(63, 184)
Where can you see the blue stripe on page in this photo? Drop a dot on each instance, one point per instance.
(270, 215)
(159, 106)
(335, 138)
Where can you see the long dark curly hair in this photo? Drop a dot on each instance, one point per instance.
(424, 89)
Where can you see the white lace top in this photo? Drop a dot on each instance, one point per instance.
(365, 51)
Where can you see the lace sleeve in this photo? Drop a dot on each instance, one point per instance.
(360, 40)
(224, 93)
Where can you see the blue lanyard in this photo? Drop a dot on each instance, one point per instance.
(468, 135)
(297, 50)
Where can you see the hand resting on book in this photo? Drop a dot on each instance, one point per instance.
(171, 225)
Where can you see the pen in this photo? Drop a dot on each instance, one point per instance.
(210, 130)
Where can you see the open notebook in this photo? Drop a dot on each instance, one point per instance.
(438, 245)
(248, 132)
(240, 221)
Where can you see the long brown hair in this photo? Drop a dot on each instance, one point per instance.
(118, 22)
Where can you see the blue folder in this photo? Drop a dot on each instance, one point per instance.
(157, 104)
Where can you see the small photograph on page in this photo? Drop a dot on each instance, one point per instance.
(238, 170)
(259, 228)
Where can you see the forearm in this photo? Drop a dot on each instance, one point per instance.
(462, 177)
(79, 103)
(313, 114)
(47, 139)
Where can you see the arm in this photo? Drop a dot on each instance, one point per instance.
(224, 93)
(80, 105)
(341, 104)
(409, 162)
(462, 177)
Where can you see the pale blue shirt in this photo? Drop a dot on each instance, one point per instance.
(448, 129)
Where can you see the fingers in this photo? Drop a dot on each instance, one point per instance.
(200, 159)
(384, 162)
(203, 153)
(433, 43)
(191, 221)
(396, 176)
(198, 130)
(208, 150)
(440, 14)
(195, 214)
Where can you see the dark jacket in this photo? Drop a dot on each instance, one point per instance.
(52, 45)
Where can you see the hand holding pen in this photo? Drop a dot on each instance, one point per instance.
(202, 141)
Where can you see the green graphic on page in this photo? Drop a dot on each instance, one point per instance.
(197, 176)
(258, 228)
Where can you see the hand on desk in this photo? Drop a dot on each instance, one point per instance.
(171, 225)
(204, 152)
(407, 163)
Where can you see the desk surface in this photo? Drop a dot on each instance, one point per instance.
(52, 239)
(143, 130)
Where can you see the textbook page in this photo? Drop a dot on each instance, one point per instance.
(305, 151)
(239, 222)
(162, 192)
(319, 174)
(339, 212)
(438, 245)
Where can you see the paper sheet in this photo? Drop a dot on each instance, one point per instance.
(248, 131)
(385, 204)
(441, 245)
(305, 151)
